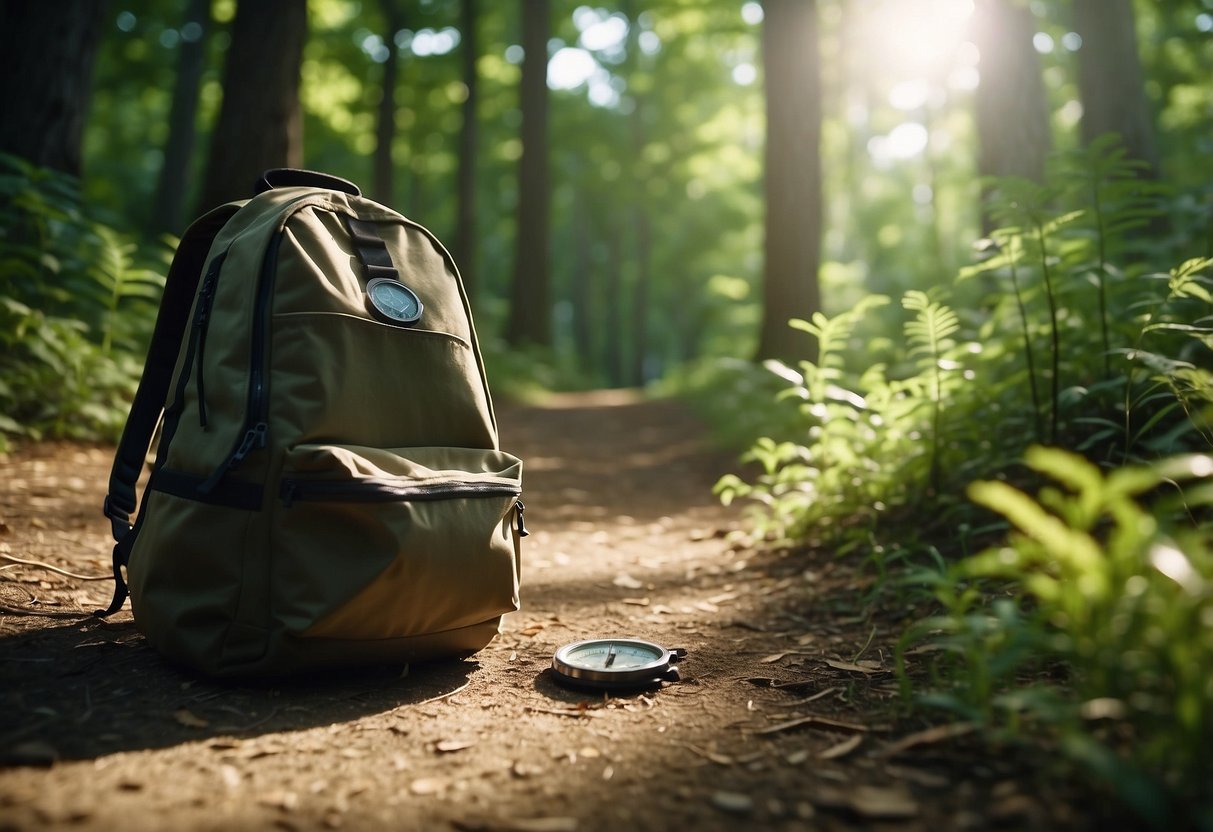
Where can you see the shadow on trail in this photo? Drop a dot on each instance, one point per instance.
(86, 689)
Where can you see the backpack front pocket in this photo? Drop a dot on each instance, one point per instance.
(374, 543)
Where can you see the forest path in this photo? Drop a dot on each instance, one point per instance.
(776, 725)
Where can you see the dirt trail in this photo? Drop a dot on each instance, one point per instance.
(777, 724)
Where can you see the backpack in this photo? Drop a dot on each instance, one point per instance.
(327, 489)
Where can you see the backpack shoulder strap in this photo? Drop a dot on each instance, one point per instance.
(179, 289)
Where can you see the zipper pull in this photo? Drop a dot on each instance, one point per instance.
(519, 508)
(255, 436)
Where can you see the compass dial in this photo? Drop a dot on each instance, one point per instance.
(391, 301)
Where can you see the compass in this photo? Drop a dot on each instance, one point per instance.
(616, 663)
(391, 301)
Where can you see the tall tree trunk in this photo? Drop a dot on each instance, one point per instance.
(465, 227)
(642, 235)
(260, 122)
(529, 318)
(383, 182)
(582, 291)
(613, 343)
(1110, 80)
(168, 211)
(792, 162)
(1011, 110)
(47, 51)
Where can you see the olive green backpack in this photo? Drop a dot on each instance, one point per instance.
(327, 489)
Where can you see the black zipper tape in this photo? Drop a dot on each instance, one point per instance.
(387, 491)
(202, 317)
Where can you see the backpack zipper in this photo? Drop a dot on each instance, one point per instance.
(256, 423)
(202, 317)
(391, 491)
(387, 491)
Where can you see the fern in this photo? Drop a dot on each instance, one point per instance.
(928, 338)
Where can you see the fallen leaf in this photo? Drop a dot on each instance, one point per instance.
(635, 602)
(427, 785)
(284, 800)
(189, 719)
(853, 668)
(532, 630)
(841, 749)
(447, 746)
(883, 803)
(734, 802)
(627, 581)
(540, 825)
(939, 733)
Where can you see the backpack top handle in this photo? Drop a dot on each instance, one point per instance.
(299, 178)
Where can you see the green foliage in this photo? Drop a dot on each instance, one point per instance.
(1106, 579)
(75, 311)
(1091, 626)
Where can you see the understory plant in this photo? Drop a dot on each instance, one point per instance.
(1090, 626)
(76, 310)
(1075, 370)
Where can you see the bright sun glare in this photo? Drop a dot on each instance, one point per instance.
(920, 48)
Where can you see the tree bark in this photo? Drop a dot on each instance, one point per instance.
(792, 248)
(260, 122)
(1111, 84)
(168, 211)
(529, 318)
(1011, 111)
(383, 182)
(465, 226)
(47, 52)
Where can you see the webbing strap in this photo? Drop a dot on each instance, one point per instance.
(371, 249)
(179, 289)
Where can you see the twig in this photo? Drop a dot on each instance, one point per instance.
(813, 722)
(939, 733)
(821, 694)
(866, 645)
(55, 569)
(442, 696)
(5, 608)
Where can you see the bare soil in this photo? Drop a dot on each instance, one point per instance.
(787, 716)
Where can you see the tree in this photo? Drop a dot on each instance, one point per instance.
(1110, 80)
(529, 318)
(383, 186)
(47, 52)
(792, 181)
(169, 202)
(1011, 111)
(465, 224)
(260, 120)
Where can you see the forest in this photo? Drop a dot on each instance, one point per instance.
(939, 271)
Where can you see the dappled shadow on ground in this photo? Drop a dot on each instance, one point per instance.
(89, 688)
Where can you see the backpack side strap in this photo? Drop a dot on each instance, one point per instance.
(179, 289)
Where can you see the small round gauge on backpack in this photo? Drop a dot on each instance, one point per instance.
(616, 663)
(391, 301)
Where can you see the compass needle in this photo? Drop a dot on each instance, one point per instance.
(610, 659)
